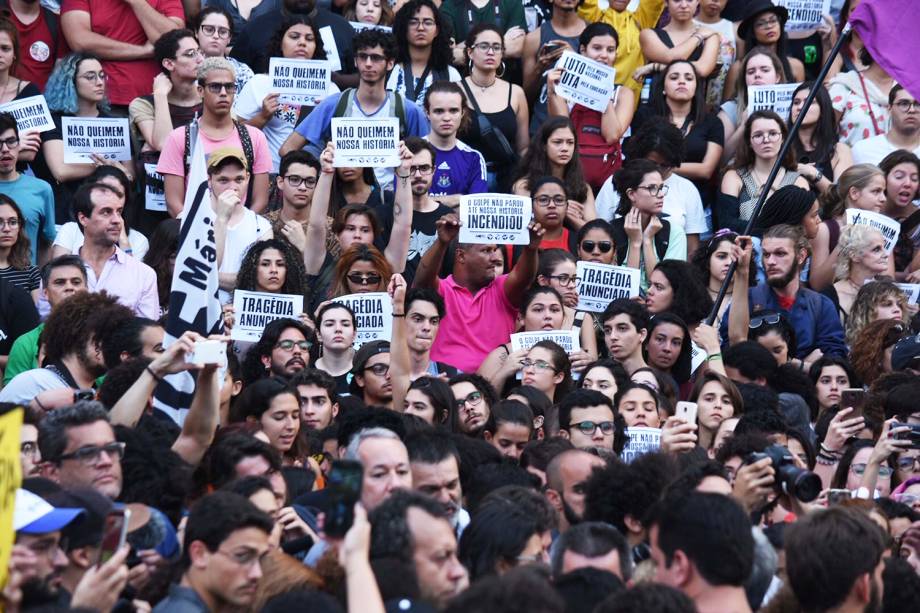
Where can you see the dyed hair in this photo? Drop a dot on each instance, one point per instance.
(853, 242)
(359, 253)
(866, 304)
(61, 89)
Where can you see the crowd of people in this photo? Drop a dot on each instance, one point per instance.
(682, 453)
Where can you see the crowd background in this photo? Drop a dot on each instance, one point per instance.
(769, 461)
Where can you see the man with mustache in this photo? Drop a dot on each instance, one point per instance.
(283, 351)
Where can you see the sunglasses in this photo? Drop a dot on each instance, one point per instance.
(602, 246)
(359, 279)
(771, 320)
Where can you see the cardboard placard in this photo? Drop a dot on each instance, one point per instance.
(641, 441)
(585, 81)
(776, 98)
(32, 114)
(495, 219)
(254, 310)
(567, 339)
(911, 291)
(303, 82)
(804, 14)
(154, 191)
(332, 50)
(360, 26)
(373, 314)
(889, 228)
(361, 142)
(105, 137)
(601, 284)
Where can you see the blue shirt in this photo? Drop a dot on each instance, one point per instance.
(461, 170)
(35, 199)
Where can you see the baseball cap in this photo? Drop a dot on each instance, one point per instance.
(905, 352)
(366, 352)
(33, 515)
(222, 154)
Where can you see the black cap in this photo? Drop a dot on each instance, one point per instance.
(366, 352)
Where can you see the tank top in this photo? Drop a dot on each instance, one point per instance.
(540, 112)
(666, 39)
(747, 199)
(504, 120)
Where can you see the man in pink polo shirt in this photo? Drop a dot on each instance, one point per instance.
(481, 307)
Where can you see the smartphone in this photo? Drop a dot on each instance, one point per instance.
(854, 398)
(84, 394)
(550, 48)
(836, 496)
(686, 411)
(210, 352)
(114, 534)
(912, 435)
(344, 487)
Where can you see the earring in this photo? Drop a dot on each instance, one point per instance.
(499, 74)
(470, 64)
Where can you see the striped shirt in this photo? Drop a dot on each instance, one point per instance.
(27, 279)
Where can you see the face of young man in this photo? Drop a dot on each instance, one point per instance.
(316, 410)
(582, 438)
(423, 321)
(420, 172)
(440, 574)
(373, 66)
(50, 562)
(217, 92)
(300, 195)
(232, 572)
(289, 355)
(9, 152)
(621, 336)
(375, 380)
(445, 111)
(99, 465)
(230, 177)
(905, 113)
(779, 261)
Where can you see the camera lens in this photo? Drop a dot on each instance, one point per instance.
(803, 484)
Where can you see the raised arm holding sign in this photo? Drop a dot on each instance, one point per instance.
(366, 142)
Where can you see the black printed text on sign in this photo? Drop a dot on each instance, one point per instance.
(490, 219)
(361, 142)
(373, 316)
(84, 136)
(255, 310)
(889, 228)
(601, 284)
(585, 81)
(31, 114)
(804, 14)
(302, 82)
(776, 98)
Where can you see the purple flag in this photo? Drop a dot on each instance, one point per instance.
(889, 29)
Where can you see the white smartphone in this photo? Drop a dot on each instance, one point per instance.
(210, 352)
(686, 411)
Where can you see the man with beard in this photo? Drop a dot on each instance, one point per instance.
(566, 475)
(903, 133)
(424, 312)
(283, 351)
(812, 315)
(435, 463)
(834, 561)
(371, 370)
(72, 337)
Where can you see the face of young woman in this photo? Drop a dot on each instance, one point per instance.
(814, 111)
(644, 196)
(767, 28)
(550, 205)
(760, 71)
(858, 467)
(545, 312)
(90, 81)
(680, 82)
(368, 11)
(601, 49)
(714, 406)
(562, 279)
(720, 261)
(874, 256)
(871, 197)
(336, 331)
(299, 42)
(281, 421)
(486, 52)
(7, 53)
(664, 345)
(214, 43)
(358, 229)
(888, 307)
(660, 294)
(418, 404)
(811, 221)
(541, 372)
(776, 344)
(902, 183)
(766, 138)
(830, 382)
(271, 271)
(363, 277)
(600, 380)
(422, 28)
(682, 10)
(560, 146)
(638, 408)
(9, 232)
(596, 246)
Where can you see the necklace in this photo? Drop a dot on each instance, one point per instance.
(483, 87)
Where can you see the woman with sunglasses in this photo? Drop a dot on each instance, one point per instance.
(712, 261)
(215, 30)
(15, 253)
(862, 258)
(595, 242)
(870, 353)
(336, 330)
(874, 301)
(361, 269)
(556, 270)
(820, 154)
(764, 133)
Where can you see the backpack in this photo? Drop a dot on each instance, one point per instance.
(397, 108)
(245, 141)
(599, 159)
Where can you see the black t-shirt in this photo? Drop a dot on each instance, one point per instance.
(17, 315)
(424, 234)
(810, 51)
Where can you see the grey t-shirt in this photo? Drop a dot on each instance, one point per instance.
(27, 385)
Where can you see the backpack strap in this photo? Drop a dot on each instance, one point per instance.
(344, 101)
(246, 142)
(399, 110)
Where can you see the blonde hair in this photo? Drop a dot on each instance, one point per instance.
(854, 240)
(836, 199)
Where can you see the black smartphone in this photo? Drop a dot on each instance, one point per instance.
(854, 398)
(912, 435)
(550, 48)
(114, 534)
(344, 487)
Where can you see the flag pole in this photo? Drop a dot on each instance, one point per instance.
(793, 134)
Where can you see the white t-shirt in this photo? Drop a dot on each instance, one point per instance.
(70, 237)
(397, 81)
(250, 229)
(682, 204)
(874, 149)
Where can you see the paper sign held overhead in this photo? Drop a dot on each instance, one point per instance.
(303, 82)
(32, 114)
(585, 81)
(495, 219)
(154, 190)
(373, 143)
(776, 98)
(360, 26)
(567, 339)
(601, 284)
(804, 14)
(83, 137)
(889, 228)
(373, 314)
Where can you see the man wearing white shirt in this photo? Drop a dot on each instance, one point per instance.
(904, 132)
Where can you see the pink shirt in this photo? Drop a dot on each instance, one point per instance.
(171, 162)
(473, 325)
(130, 280)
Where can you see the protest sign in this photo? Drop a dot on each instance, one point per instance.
(31, 114)
(567, 339)
(303, 82)
(10, 478)
(254, 310)
(366, 142)
(889, 228)
(698, 355)
(641, 441)
(331, 49)
(360, 26)
(804, 14)
(776, 98)
(373, 315)
(585, 81)
(84, 136)
(495, 218)
(911, 291)
(600, 284)
(154, 189)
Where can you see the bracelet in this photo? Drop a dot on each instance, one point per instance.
(831, 452)
(715, 356)
(156, 377)
(825, 460)
(399, 314)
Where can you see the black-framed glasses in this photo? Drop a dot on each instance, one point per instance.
(374, 57)
(905, 463)
(12, 223)
(221, 31)
(590, 427)
(471, 400)
(565, 279)
(770, 319)
(907, 105)
(11, 142)
(486, 47)
(425, 23)
(192, 53)
(762, 137)
(364, 279)
(216, 87)
(602, 246)
(544, 201)
(90, 455)
(289, 344)
(423, 169)
(537, 364)
(379, 369)
(297, 181)
(655, 190)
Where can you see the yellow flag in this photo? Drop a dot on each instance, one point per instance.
(10, 479)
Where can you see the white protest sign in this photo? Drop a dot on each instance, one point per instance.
(31, 114)
(84, 136)
(567, 339)
(299, 81)
(601, 284)
(373, 314)
(698, 355)
(495, 218)
(255, 310)
(804, 14)
(889, 228)
(776, 98)
(154, 190)
(360, 26)
(585, 81)
(332, 50)
(641, 441)
(911, 291)
(366, 142)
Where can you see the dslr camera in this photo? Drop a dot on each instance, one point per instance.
(790, 479)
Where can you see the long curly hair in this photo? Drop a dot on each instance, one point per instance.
(865, 306)
(274, 44)
(20, 256)
(61, 90)
(868, 349)
(295, 274)
(359, 252)
(691, 301)
(535, 163)
(441, 54)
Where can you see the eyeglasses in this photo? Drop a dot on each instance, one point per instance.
(11, 142)
(190, 53)
(245, 559)
(90, 455)
(221, 32)
(425, 23)
(544, 201)
(590, 427)
(216, 88)
(565, 279)
(766, 23)
(288, 345)
(423, 170)
(908, 463)
(771, 320)
(883, 471)
(358, 279)
(486, 47)
(655, 190)
(762, 137)
(29, 448)
(602, 246)
(374, 57)
(297, 181)
(473, 399)
(92, 77)
(908, 499)
(10, 223)
(907, 105)
(379, 369)
(538, 364)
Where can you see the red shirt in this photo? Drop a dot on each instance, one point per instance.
(116, 20)
(38, 51)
